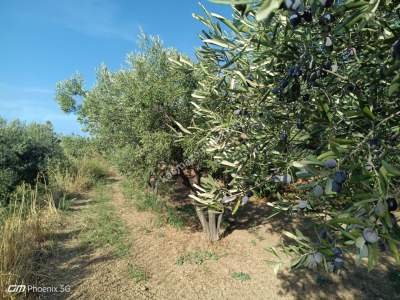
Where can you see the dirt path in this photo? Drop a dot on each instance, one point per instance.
(82, 271)
(180, 264)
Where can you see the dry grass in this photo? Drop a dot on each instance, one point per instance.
(31, 215)
(23, 230)
(85, 173)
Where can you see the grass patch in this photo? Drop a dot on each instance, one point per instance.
(241, 276)
(174, 219)
(147, 201)
(196, 257)
(105, 228)
(137, 273)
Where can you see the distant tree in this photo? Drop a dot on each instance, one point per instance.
(132, 112)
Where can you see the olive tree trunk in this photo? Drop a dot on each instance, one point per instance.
(210, 222)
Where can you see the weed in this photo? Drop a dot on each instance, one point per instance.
(197, 257)
(137, 273)
(241, 276)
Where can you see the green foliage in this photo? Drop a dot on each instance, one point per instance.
(25, 152)
(68, 93)
(309, 110)
(78, 147)
(303, 109)
(131, 112)
(241, 276)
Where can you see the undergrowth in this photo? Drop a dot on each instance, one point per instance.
(144, 200)
(104, 227)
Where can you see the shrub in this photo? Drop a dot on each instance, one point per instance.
(25, 151)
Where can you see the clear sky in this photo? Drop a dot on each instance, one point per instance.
(44, 41)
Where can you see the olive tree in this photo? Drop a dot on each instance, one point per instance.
(303, 96)
(132, 112)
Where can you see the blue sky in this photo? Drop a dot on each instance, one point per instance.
(44, 41)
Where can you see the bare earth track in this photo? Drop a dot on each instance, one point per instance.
(98, 274)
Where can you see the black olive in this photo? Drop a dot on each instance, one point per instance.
(327, 3)
(307, 15)
(392, 204)
(327, 18)
(294, 71)
(337, 252)
(340, 176)
(382, 246)
(374, 142)
(294, 20)
(283, 136)
(313, 76)
(276, 91)
(249, 194)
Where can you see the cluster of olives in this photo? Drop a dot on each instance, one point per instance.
(338, 261)
(299, 12)
(293, 72)
(339, 177)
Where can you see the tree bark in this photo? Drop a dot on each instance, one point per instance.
(186, 181)
(214, 235)
(203, 220)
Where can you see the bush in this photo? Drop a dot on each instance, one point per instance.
(25, 151)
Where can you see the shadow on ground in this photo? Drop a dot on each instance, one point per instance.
(354, 282)
(64, 261)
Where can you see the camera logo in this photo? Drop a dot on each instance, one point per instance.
(16, 288)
